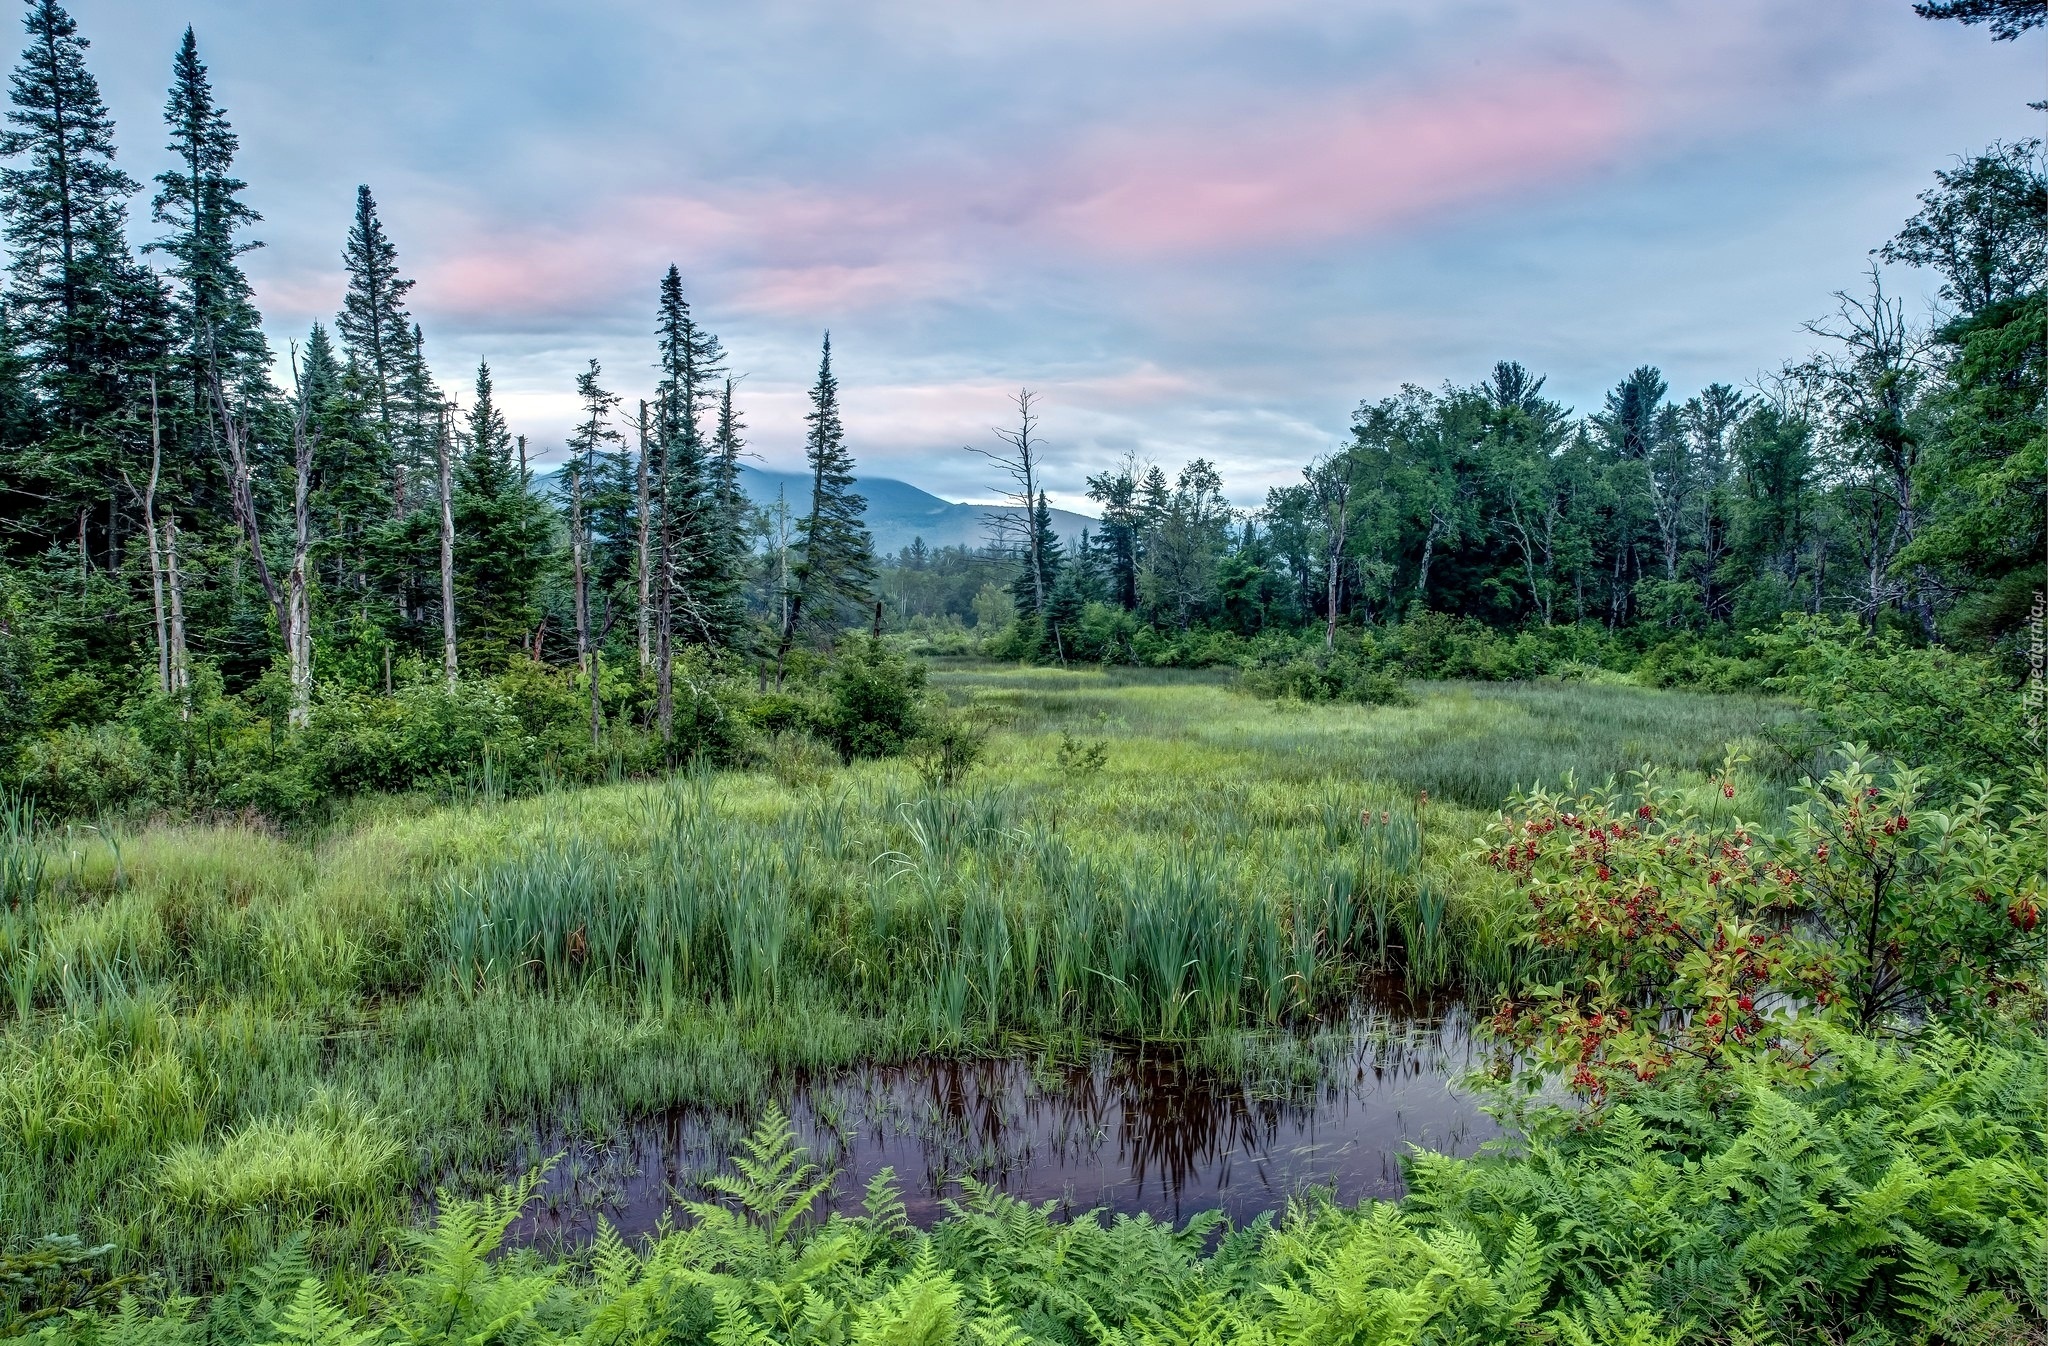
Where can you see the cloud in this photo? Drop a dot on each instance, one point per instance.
(1338, 169)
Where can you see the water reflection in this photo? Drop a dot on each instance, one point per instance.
(1126, 1130)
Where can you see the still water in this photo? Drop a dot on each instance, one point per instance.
(1117, 1129)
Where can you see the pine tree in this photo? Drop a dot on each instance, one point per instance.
(1031, 591)
(698, 600)
(836, 568)
(375, 328)
(501, 536)
(90, 320)
(201, 202)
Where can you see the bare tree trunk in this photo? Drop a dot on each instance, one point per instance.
(665, 600)
(1020, 464)
(242, 503)
(448, 663)
(1340, 528)
(1436, 525)
(301, 635)
(646, 635)
(156, 566)
(181, 663)
(586, 657)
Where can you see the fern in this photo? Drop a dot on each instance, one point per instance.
(312, 1319)
(776, 1185)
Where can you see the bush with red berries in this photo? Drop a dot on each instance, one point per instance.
(1698, 941)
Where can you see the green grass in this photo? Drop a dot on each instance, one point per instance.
(216, 1035)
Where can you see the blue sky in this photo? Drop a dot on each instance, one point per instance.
(1196, 227)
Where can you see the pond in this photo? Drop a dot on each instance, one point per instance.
(1120, 1129)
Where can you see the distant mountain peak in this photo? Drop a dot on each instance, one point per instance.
(899, 512)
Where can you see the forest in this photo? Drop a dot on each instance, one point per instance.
(449, 898)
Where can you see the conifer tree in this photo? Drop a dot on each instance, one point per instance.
(200, 200)
(836, 566)
(697, 599)
(501, 535)
(375, 328)
(730, 507)
(89, 319)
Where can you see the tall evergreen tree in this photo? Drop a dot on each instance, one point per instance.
(91, 321)
(730, 512)
(375, 328)
(836, 567)
(697, 601)
(501, 536)
(200, 200)
(1031, 591)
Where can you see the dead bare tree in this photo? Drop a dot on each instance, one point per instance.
(1014, 526)
(181, 663)
(147, 496)
(287, 602)
(448, 662)
(1331, 485)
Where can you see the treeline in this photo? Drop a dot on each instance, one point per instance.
(219, 565)
(177, 526)
(1894, 476)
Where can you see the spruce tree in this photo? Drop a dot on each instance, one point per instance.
(1042, 542)
(375, 328)
(200, 200)
(836, 567)
(730, 508)
(501, 535)
(698, 588)
(89, 319)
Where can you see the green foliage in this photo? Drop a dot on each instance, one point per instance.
(1899, 1196)
(1699, 941)
(1959, 717)
(1327, 676)
(875, 700)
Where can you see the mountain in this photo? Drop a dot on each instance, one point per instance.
(898, 511)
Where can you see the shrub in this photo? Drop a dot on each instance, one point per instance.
(948, 747)
(1325, 675)
(874, 700)
(424, 735)
(1700, 942)
(80, 772)
(1958, 716)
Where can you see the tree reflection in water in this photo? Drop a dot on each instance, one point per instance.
(1128, 1130)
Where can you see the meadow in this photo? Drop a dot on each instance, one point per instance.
(218, 1035)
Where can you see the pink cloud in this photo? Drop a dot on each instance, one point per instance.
(1314, 172)
(1337, 170)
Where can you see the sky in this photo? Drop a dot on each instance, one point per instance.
(1194, 227)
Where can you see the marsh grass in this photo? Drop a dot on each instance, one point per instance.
(215, 1034)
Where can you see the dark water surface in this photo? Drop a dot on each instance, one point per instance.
(1118, 1129)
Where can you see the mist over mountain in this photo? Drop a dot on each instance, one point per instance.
(898, 512)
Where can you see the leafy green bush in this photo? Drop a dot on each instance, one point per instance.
(84, 772)
(874, 700)
(1323, 676)
(1959, 716)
